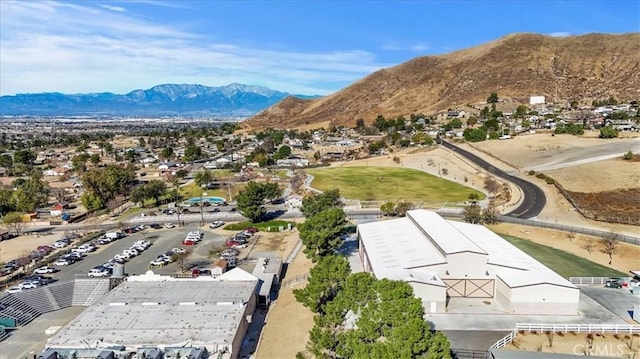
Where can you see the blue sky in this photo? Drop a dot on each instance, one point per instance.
(304, 47)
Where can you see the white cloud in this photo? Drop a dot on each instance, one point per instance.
(113, 8)
(418, 47)
(560, 34)
(70, 48)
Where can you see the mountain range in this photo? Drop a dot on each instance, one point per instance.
(580, 68)
(231, 101)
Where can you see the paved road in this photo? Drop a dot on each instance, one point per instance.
(162, 241)
(533, 201)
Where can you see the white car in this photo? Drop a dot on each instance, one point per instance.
(216, 224)
(61, 262)
(44, 270)
(178, 250)
(170, 225)
(16, 289)
(99, 273)
(29, 284)
(158, 262)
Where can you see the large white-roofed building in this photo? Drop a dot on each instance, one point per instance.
(441, 258)
(166, 314)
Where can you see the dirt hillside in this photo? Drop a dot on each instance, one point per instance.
(516, 67)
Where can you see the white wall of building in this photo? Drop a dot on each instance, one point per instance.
(464, 265)
(536, 100)
(535, 299)
(433, 297)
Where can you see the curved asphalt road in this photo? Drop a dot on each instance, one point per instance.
(533, 200)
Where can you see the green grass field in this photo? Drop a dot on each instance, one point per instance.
(561, 262)
(389, 183)
(193, 190)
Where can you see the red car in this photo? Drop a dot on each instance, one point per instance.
(188, 242)
(252, 230)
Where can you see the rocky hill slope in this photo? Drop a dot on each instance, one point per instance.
(517, 66)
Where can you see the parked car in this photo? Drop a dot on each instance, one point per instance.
(29, 284)
(170, 225)
(44, 270)
(15, 289)
(189, 242)
(155, 226)
(252, 230)
(62, 262)
(216, 224)
(613, 284)
(229, 252)
(99, 272)
(178, 250)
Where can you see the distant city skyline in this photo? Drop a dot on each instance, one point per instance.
(303, 47)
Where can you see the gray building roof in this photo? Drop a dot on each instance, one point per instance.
(170, 312)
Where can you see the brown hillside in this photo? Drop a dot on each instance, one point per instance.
(516, 67)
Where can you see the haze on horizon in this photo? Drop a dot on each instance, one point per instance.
(312, 48)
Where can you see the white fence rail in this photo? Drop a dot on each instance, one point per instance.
(579, 328)
(588, 280)
(504, 341)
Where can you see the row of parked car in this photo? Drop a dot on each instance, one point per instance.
(30, 282)
(168, 257)
(193, 238)
(240, 239)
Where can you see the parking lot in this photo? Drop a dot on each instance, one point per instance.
(162, 241)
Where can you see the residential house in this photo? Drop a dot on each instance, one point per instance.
(58, 171)
(293, 161)
(58, 208)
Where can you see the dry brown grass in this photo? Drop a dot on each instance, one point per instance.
(516, 66)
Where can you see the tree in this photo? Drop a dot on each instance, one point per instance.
(13, 219)
(94, 159)
(402, 207)
(521, 111)
(138, 195)
(628, 156)
(203, 178)
(388, 323)
(608, 132)
(325, 281)
(283, 152)
(316, 203)
(6, 162)
(142, 142)
(167, 153)
(131, 155)
(24, 157)
(491, 185)
(609, 245)
(320, 233)
(192, 153)
(493, 98)
(272, 191)
(588, 245)
(474, 134)
(250, 201)
(473, 213)
(490, 214)
(388, 208)
(155, 189)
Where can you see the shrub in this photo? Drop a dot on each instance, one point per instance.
(531, 173)
(549, 180)
(540, 175)
(628, 156)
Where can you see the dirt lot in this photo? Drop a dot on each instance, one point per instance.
(23, 245)
(614, 345)
(288, 323)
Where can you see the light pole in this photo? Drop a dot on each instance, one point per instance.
(202, 208)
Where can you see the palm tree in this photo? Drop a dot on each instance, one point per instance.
(203, 178)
